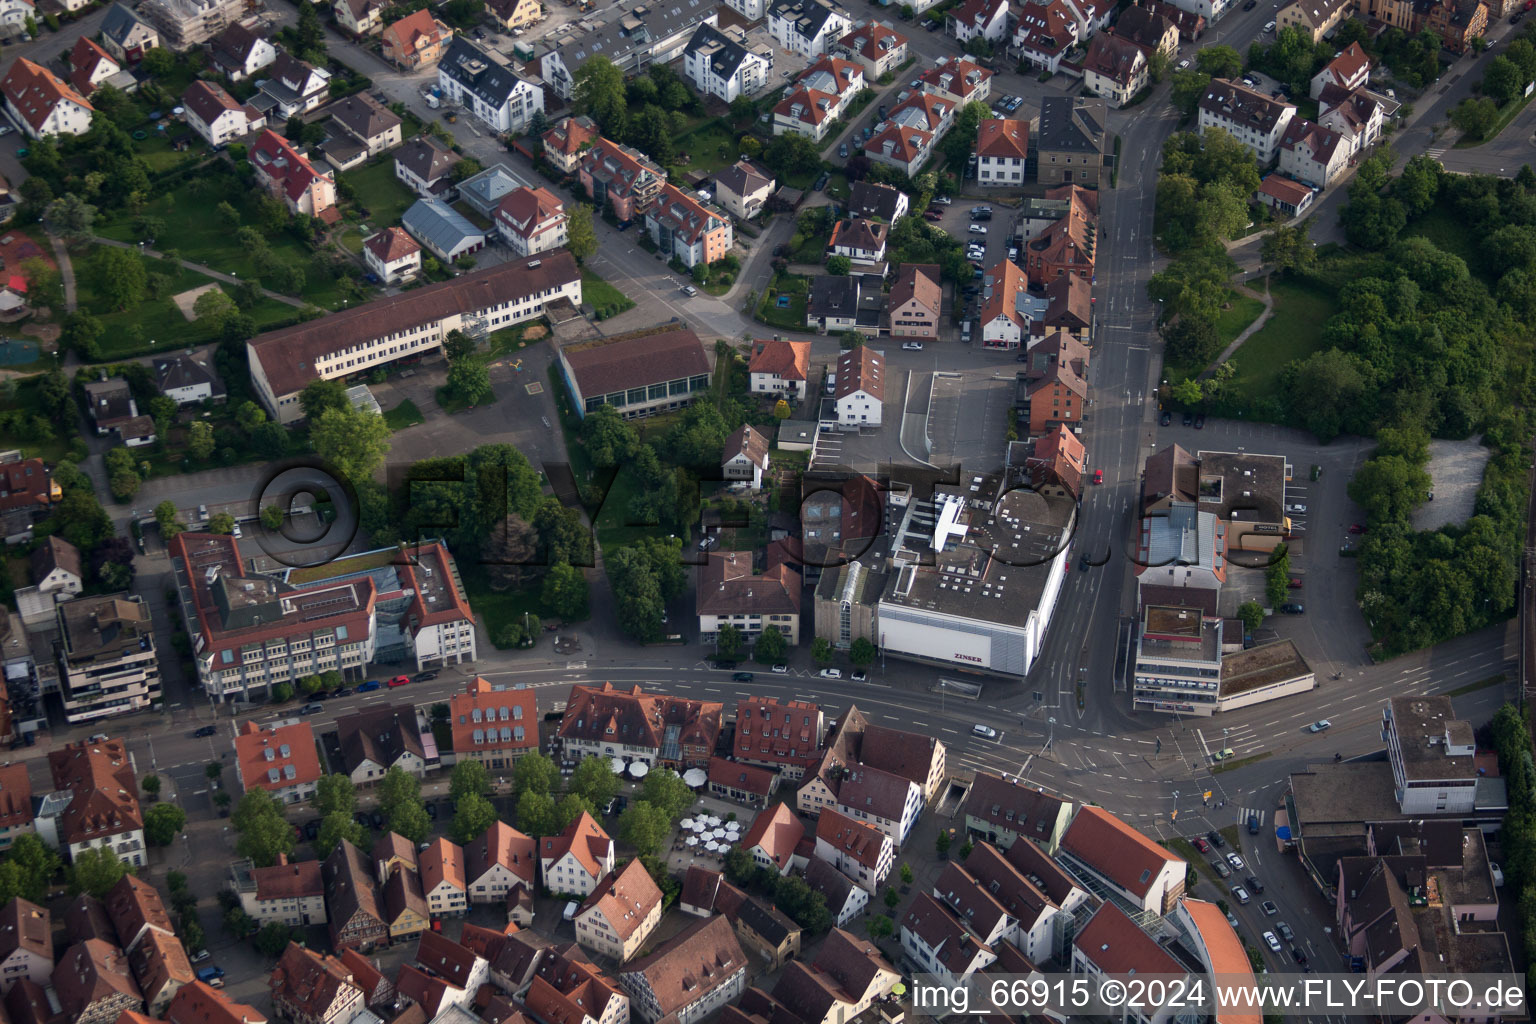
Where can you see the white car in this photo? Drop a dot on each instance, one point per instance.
(780, 669)
(912, 346)
(5, 130)
(1269, 937)
(1235, 861)
(831, 673)
(1269, 28)
(1321, 725)
(1184, 64)
(985, 732)
(942, 200)
(977, 229)
(1300, 510)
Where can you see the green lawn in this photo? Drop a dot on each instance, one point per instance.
(157, 325)
(791, 317)
(1294, 332)
(810, 250)
(404, 415)
(710, 146)
(604, 298)
(384, 196)
(1235, 320)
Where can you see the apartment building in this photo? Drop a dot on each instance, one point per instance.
(291, 893)
(729, 593)
(496, 94)
(688, 977)
(279, 757)
(1252, 118)
(858, 849)
(1002, 149)
(619, 178)
(183, 24)
(107, 660)
(531, 221)
(102, 810)
(288, 175)
(684, 228)
(807, 28)
(578, 859)
(717, 63)
(620, 914)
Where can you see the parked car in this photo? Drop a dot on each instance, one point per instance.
(842, 151)
(1255, 884)
(977, 229)
(1200, 421)
(1184, 64)
(1294, 583)
(932, 215)
(985, 732)
(1321, 725)
(1240, 894)
(912, 346)
(1216, 839)
(1293, 608)
(831, 673)
(859, 677)
(1201, 844)
(689, 290)
(1235, 861)
(724, 663)
(942, 200)
(207, 974)
(1269, 908)
(432, 811)
(1296, 507)
(781, 669)
(821, 182)
(312, 829)
(1356, 528)
(1221, 869)
(369, 686)
(1098, 476)
(1269, 29)
(741, 677)
(342, 691)
(1165, 419)
(311, 709)
(424, 677)
(1189, 419)
(199, 956)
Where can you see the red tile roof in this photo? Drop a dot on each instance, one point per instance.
(637, 718)
(787, 360)
(1115, 945)
(105, 792)
(1225, 952)
(198, 1003)
(584, 838)
(861, 369)
(287, 752)
(691, 965)
(443, 861)
(569, 135)
(625, 899)
(275, 158)
(26, 926)
(1115, 849)
(288, 881)
(488, 717)
(392, 244)
(862, 842)
(505, 845)
(918, 281)
(25, 484)
(35, 92)
(777, 830)
(744, 777)
(83, 61)
(417, 30)
(15, 795)
(92, 972)
(787, 732)
(1003, 137)
(306, 981)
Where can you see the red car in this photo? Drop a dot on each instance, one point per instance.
(1356, 528)
(1098, 476)
(399, 680)
(1293, 583)
(1201, 845)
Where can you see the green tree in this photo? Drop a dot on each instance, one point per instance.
(334, 794)
(310, 685)
(165, 518)
(770, 646)
(571, 807)
(457, 345)
(645, 827)
(272, 517)
(214, 306)
(665, 789)
(221, 522)
(200, 441)
(1252, 614)
(320, 394)
(941, 843)
(565, 591)
(472, 815)
(162, 823)
(609, 440)
(157, 61)
(878, 926)
(1187, 88)
(400, 802)
(533, 772)
(1389, 487)
(728, 641)
(637, 592)
(28, 870)
(263, 832)
(239, 924)
(274, 935)
(150, 784)
(1475, 118)
(81, 520)
(594, 779)
(81, 333)
(354, 440)
(1288, 248)
(821, 650)
(1219, 61)
(118, 276)
(580, 237)
(74, 218)
(470, 382)
(906, 874)
(861, 652)
(96, 871)
(536, 815)
(469, 778)
(1502, 80)
(334, 828)
(213, 770)
(839, 266)
(792, 154)
(598, 92)
(891, 898)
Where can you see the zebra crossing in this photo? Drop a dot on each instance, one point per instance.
(1241, 740)
(1244, 813)
(1436, 152)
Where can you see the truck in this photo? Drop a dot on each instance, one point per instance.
(435, 97)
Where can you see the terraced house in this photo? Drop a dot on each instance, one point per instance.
(658, 729)
(685, 229)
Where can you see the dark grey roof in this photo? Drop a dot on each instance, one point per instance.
(833, 296)
(186, 372)
(364, 116)
(426, 158)
(869, 199)
(808, 15)
(1071, 123)
(474, 69)
(631, 31)
(727, 55)
(119, 22)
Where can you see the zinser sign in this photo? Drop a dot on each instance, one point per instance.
(968, 657)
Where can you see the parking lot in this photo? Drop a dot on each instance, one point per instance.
(968, 417)
(1331, 629)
